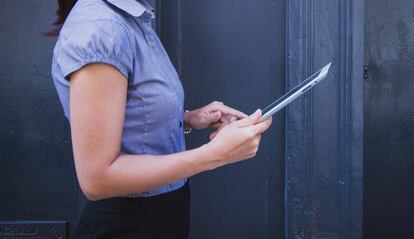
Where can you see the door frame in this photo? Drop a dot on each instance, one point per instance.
(318, 32)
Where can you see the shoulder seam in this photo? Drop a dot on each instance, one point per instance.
(66, 37)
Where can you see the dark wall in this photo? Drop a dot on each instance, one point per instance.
(389, 120)
(233, 51)
(229, 51)
(37, 180)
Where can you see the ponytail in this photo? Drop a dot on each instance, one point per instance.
(62, 13)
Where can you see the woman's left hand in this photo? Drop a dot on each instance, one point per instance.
(215, 115)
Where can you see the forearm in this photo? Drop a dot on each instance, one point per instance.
(139, 173)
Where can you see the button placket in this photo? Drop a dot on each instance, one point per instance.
(150, 38)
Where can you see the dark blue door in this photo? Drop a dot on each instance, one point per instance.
(389, 120)
(306, 181)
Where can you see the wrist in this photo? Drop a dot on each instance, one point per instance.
(211, 156)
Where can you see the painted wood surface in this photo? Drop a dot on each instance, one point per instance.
(389, 120)
(233, 51)
(324, 129)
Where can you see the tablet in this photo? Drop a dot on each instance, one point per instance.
(295, 93)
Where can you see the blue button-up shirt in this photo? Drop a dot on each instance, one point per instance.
(119, 33)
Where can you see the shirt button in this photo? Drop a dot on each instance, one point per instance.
(181, 124)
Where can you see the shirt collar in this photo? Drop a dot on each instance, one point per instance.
(132, 7)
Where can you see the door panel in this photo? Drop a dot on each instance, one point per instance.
(389, 119)
(233, 51)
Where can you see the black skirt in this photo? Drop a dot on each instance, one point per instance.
(158, 217)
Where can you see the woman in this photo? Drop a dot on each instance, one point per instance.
(124, 101)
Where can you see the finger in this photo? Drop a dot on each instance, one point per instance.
(215, 125)
(213, 135)
(261, 127)
(256, 140)
(223, 121)
(252, 119)
(229, 111)
(220, 128)
(214, 117)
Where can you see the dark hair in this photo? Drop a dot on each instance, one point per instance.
(62, 13)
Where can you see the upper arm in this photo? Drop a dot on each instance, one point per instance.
(97, 104)
(97, 59)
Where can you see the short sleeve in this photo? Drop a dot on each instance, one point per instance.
(98, 41)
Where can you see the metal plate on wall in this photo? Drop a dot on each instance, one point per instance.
(33, 229)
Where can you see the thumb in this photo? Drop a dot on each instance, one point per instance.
(252, 119)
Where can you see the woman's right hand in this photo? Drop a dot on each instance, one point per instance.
(239, 140)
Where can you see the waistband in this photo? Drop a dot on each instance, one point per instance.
(140, 204)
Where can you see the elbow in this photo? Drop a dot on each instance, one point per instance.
(92, 189)
(92, 179)
(92, 195)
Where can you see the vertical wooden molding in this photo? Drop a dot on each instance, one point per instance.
(343, 121)
(312, 26)
(356, 137)
(298, 159)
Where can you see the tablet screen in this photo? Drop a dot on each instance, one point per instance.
(291, 92)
